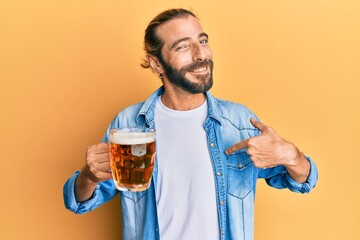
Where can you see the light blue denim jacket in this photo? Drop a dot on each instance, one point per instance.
(235, 175)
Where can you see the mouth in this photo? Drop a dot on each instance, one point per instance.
(201, 70)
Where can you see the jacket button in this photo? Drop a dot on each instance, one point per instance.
(240, 165)
(218, 173)
(212, 144)
(222, 203)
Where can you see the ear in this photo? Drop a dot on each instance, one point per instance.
(155, 64)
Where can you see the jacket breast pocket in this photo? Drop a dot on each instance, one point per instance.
(240, 173)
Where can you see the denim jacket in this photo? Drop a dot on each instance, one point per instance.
(235, 175)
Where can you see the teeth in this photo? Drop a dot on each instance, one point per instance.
(200, 69)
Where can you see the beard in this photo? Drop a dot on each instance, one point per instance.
(177, 77)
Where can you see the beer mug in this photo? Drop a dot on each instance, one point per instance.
(132, 157)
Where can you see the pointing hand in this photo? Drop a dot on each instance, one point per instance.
(268, 149)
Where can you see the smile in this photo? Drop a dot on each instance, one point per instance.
(200, 69)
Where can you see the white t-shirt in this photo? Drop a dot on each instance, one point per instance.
(185, 190)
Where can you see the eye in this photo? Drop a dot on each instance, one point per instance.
(182, 47)
(204, 41)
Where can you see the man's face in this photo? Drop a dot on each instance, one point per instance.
(186, 55)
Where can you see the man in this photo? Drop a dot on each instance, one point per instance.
(210, 152)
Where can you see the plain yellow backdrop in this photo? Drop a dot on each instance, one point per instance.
(67, 67)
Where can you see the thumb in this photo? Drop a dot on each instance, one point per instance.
(258, 125)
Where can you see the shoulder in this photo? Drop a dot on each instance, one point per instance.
(131, 110)
(235, 113)
(225, 106)
(127, 116)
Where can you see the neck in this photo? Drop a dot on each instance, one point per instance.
(181, 100)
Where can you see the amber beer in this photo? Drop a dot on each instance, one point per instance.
(132, 157)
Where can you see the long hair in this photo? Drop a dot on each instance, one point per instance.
(152, 43)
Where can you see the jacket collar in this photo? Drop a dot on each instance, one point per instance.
(147, 111)
(213, 107)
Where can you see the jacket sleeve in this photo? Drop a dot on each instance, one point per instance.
(279, 177)
(103, 193)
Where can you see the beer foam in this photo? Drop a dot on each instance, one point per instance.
(131, 138)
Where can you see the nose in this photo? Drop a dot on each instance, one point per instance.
(198, 53)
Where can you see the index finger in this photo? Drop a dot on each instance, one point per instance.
(237, 146)
(99, 148)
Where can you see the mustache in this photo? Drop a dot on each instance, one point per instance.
(191, 67)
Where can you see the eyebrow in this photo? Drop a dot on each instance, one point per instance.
(187, 38)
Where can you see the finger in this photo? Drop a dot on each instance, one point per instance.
(237, 146)
(102, 176)
(258, 125)
(96, 158)
(99, 148)
(102, 157)
(100, 168)
(104, 167)
(103, 147)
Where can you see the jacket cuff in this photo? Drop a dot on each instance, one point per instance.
(70, 199)
(310, 182)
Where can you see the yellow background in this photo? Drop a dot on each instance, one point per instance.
(67, 67)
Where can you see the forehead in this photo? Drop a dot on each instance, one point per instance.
(178, 28)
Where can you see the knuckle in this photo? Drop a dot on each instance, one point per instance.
(90, 158)
(257, 164)
(93, 170)
(251, 143)
(268, 128)
(249, 151)
(95, 147)
(91, 147)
